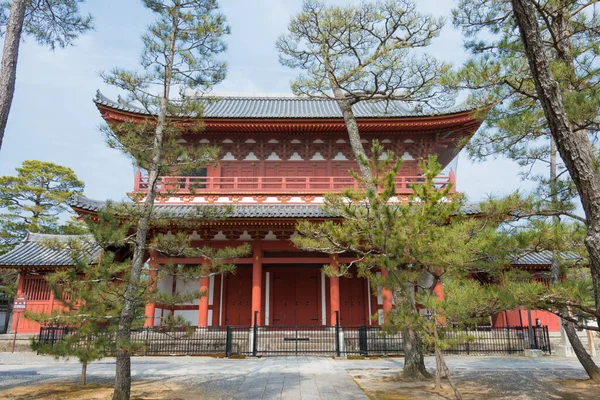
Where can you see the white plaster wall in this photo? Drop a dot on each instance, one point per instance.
(188, 287)
(190, 315)
(157, 313)
(165, 284)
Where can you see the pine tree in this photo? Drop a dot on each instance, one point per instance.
(518, 122)
(360, 53)
(92, 294)
(179, 54)
(51, 23)
(33, 200)
(504, 76)
(90, 297)
(363, 53)
(419, 243)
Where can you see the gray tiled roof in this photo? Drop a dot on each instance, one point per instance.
(543, 258)
(34, 251)
(291, 107)
(239, 210)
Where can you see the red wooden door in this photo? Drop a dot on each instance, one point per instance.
(352, 301)
(238, 289)
(283, 297)
(307, 296)
(295, 296)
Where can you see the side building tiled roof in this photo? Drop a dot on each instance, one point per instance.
(34, 251)
(238, 210)
(543, 257)
(286, 106)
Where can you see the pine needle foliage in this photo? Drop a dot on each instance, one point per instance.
(180, 51)
(33, 200)
(89, 296)
(364, 52)
(420, 243)
(92, 293)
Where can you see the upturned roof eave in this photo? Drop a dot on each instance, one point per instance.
(103, 103)
(32, 253)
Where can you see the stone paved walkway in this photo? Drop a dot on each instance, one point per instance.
(253, 378)
(272, 377)
(299, 378)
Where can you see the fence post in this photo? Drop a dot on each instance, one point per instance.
(337, 334)
(547, 337)
(254, 337)
(508, 339)
(362, 340)
(468, 343)
(52, 340)
(228, 341)
(296, 341)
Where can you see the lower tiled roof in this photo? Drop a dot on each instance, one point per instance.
(543, 257)
(239, 210)
(34, 250)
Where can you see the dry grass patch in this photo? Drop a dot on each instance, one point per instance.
(389, 385)
(59, 391)
(575, 389)
(380, 385)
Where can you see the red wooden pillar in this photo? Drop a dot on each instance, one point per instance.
(257, 283)
(386, 295)
(439, 291)
(19, 293)
(153, 276)
(203, 304)
(334, 290)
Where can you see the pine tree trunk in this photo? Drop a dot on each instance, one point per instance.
(355, 140)
(123, 353)
(574, 147)
(440, 363)
(562, 30)
(448, 376)
(582, 355)
(438, 369)
(10, 56)
(414, 362)
(82, 379)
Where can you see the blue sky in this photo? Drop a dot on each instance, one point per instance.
(54, 119)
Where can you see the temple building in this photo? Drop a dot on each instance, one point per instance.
(279, 156)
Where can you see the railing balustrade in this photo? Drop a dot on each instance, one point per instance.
(272, 184)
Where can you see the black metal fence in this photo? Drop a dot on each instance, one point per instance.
(333, 340)
(52, 334)
(371, 340)
(490, 340)
(295, 340)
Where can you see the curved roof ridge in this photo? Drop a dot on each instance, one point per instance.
(40, 237)
(290, 106)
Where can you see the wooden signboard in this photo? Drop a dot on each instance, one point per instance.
(18, 307)
(20, 304)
